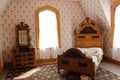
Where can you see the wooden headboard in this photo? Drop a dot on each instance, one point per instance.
(88, 35)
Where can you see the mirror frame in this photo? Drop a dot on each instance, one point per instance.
(21, 27)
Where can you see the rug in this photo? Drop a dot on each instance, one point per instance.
(49, 72)
(16, 72)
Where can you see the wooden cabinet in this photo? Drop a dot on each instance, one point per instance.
(23, 59)
(24, 55)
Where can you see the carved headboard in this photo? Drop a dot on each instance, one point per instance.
(88, 35)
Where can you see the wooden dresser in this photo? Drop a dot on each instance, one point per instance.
(23, 59)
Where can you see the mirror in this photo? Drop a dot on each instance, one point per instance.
(23, 40)
(22, 37)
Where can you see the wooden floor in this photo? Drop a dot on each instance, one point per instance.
(109, 66)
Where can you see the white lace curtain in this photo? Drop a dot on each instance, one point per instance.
(116, 39)
(48, 34)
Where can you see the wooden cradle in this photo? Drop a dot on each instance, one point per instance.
(88, 35)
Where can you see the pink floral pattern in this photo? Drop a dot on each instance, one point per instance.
(12, 12)
(71, 14)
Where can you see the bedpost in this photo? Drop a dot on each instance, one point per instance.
(92, 78)
(93, 72)
(58, 62)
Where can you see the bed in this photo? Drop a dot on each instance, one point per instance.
(87, 54)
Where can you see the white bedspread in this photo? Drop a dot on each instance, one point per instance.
(93, 53)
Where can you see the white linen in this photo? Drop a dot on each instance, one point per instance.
(95, 60)
(93, 53)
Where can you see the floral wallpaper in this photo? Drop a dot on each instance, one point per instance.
(72, 12)
(15, 11)
(99, 11)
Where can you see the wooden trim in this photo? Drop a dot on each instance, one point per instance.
(59, 32)
(114, 5)
(79, 63)
(88, 34)
(111, 60)
(37, 29)
(37, 23)
(39, 61)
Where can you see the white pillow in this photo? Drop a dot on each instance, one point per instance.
(89, 54)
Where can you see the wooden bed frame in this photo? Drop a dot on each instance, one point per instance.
(88, 35)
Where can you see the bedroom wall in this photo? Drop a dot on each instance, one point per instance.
(72, 13)
(99, 11)
(106, 6)
(14, 11)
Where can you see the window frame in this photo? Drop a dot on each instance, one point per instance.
(47, 7)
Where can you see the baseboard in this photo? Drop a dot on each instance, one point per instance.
(108, 59)
(39, 61)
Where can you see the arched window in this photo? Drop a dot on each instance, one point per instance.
(115, 27)
(116, 38)
(48, 27)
